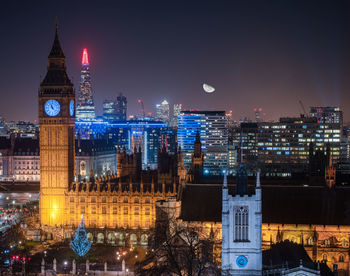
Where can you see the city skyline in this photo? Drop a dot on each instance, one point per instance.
(160, 51)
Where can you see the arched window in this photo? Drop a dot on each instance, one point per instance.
(344, 243)
(241, 224)
(327, 242)
(341, 258)
(83, 168)
(324, 257)
(310, 241)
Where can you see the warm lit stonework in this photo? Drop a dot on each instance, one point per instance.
(114, 202)
(125, 200)
(56, 121)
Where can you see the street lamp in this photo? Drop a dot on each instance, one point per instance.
(65, 267)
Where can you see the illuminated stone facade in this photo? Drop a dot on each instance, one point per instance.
(114, 202)
(118, 208)
(56, 123)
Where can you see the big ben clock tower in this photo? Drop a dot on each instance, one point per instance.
(56, 122)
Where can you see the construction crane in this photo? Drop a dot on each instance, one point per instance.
(142, 107)
(303, 108)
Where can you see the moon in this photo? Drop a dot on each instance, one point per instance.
(207, 88)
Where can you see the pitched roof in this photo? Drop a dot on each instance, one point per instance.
(56, 50)
(280, 204)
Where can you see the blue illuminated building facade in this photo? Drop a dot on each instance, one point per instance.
(144, 135)
(212, 128)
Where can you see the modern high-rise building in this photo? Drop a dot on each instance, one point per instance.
(147, 135)
(85, 107)
(282, 148)
(163, 111)
(327, 114)
(121, 107)
(109, 112)
(115, 110)
(212, 128)
(177, 112)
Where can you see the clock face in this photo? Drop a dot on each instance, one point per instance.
(52, 108)
(71, 108)
(241, 261)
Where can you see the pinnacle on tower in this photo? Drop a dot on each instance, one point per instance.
(56, 50)
(197, 146)
(56, 72)
(85, 59)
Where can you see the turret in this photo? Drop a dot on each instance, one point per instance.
(242, 181)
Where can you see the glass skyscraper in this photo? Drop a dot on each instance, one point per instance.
(85, 103)
(212, 128)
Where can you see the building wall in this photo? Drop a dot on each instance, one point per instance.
(25, 168)
(212, 128)
(103, 164)
(332, 242)
(110, 204)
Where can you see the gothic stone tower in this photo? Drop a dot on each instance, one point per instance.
(241, 231)
(56, 122)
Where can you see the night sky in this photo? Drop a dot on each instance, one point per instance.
(268, 54)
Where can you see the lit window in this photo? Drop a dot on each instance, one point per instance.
(344, 243)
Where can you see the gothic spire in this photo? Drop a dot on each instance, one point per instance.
(56, 71)
(56, 50)
(197, 152)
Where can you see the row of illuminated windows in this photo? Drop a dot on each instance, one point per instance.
(114, 200)
(26, 172)
(125, 222)
(23, 168)
(114, 210)
(26, 163)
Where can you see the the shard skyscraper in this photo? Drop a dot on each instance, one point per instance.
(85, 102)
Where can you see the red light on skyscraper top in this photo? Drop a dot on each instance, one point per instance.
(85, 60)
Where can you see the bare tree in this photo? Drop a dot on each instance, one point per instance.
(180, 250)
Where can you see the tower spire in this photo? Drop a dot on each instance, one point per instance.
(56, 50)
(85, 59)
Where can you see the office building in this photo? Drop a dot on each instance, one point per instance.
(121, 108)
(163, 112)
(109, 112)
(285, 147)
(327, 114)
(147, 135)
(212, 129)
(177, 112)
